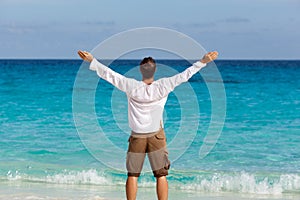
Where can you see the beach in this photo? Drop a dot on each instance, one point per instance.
(66, 192)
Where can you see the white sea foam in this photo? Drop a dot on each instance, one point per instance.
(245, 183)
(12, 176)
(238, 182)
(84, 177)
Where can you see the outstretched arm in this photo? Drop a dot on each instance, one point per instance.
(116, 79)
(172, 82)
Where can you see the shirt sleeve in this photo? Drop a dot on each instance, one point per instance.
(121, 82)
(171, 82)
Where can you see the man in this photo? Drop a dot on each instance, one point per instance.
(146, 101)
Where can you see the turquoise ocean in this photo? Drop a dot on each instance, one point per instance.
(257, 153)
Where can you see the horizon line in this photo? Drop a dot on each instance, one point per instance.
(221, 59)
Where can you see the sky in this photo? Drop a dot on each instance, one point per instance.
(238, 29)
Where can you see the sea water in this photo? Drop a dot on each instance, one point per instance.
(257, 152)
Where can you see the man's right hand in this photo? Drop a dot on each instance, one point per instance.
(210, 56)
(86, 56)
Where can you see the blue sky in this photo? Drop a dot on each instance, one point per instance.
(238, 29)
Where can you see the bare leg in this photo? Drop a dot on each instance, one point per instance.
(162, 188)
(131, 187)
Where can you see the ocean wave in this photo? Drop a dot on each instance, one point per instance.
(246, 183)
(85, 177)
(211, 182)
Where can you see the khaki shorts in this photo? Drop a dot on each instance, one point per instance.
(155, 146)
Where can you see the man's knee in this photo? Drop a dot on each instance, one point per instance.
(132, 180)
(132, 177)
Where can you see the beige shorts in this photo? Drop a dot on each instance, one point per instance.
(155, 146)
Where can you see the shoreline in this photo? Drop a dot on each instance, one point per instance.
(33, 190)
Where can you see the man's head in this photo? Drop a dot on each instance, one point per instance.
(148, 67)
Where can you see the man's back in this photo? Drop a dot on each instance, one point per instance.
(145, 101)
(145, 106)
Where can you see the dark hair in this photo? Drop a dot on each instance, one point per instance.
(148, 66)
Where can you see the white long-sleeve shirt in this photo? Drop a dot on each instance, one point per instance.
(145, 102)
